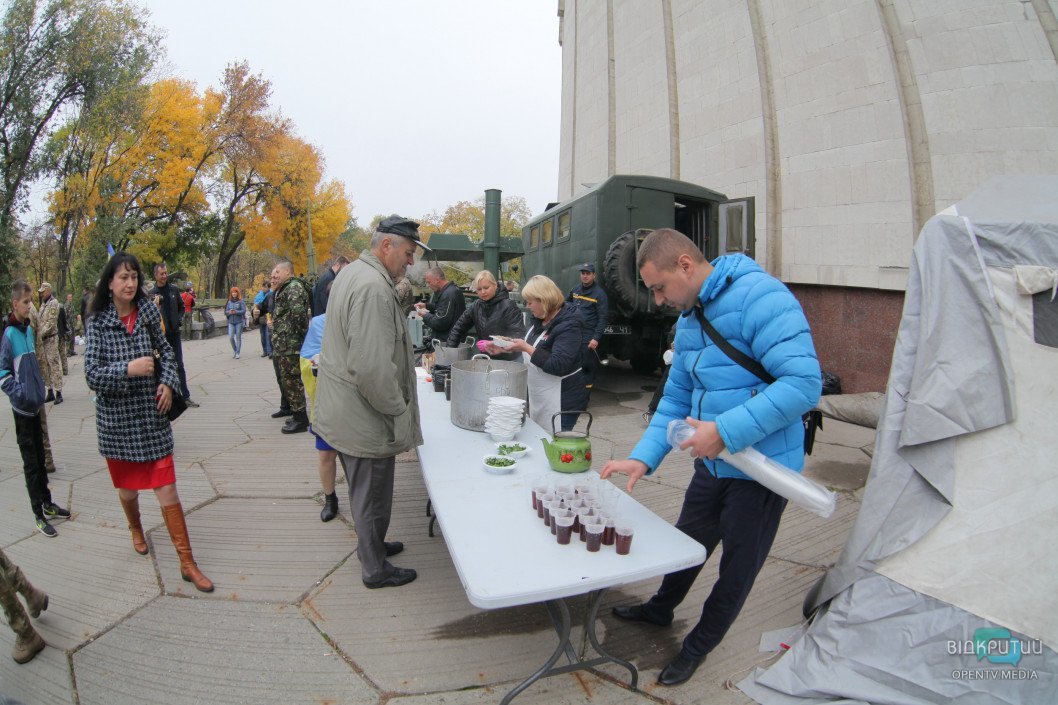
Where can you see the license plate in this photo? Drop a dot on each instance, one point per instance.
(618, 330)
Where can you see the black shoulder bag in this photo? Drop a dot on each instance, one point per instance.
(179, 404)
(812, 419)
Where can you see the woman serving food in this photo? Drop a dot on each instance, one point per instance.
(551, 348)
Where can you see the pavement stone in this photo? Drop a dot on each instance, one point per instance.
(290, 620)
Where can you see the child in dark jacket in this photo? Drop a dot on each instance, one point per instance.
(21, 380)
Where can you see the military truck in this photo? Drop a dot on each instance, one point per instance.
(606, 225)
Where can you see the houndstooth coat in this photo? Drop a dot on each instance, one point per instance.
(128, 423)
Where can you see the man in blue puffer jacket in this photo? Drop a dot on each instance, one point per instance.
(731, 408)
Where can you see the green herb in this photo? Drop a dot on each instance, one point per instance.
(499, 462)
(505, 449)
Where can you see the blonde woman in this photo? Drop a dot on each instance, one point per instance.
(492, 314)
(552, 349)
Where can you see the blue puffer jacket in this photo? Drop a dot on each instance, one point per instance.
(20, 376)
(758, 315)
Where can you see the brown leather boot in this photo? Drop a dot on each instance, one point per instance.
(174, 521)
(132, 513)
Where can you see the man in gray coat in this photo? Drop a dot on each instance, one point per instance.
(366, 406)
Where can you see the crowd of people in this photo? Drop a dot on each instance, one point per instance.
(345, 367)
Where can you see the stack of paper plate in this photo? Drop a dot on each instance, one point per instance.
(504, 417)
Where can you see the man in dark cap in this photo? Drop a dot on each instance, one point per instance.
(594, 311)
(366, 407)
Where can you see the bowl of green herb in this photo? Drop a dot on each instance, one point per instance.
(498, 464)
(512, 449)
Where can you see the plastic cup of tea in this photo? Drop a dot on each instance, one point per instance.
(550, 507)
(556, 513)
(593, 532)
(541, 500)
(562, 487)
(584, 514)
(584, 487)
(608, 534)
(563, 523)
(624, 530)
(540, 488)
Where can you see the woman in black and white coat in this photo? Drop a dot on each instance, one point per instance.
(132, 402)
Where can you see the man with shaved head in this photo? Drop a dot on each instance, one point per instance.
(290, 323)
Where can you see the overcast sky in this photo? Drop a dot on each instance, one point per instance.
(415, 104)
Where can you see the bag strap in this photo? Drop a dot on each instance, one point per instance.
(744, 360)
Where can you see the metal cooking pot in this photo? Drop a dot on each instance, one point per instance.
(474, 381)
(446, 356)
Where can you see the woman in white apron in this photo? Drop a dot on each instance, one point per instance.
(552, 350)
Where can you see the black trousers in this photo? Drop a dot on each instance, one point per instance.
(178, 350)
(30, 440)
(589, 362)
(742, 515)
(284, 402)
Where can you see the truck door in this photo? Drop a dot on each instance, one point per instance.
(737, 232)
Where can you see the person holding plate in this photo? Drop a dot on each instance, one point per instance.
(494, 313)
(552, 350)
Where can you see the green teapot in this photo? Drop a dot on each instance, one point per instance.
(570, 451)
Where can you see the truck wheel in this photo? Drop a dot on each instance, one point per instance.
(621, 277)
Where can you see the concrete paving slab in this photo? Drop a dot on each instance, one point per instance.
(16, 514)
(270, 466)
(92, 576)
(566, 689)
(179, 651)
(260, 550)
(45, 679)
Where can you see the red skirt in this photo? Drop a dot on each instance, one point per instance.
(127, 475)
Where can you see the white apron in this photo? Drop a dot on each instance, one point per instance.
(545, 390)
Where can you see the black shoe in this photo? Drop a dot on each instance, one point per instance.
(393, 548)
(636, 613)
(330, 507)
(281, 413)
(298, 423)
(679, 671)
(399, 576)
(264, 354)
(50, 397)
(45, 528)
(54, 510)
(58, 398)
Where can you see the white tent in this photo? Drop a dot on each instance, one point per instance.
(947, 590)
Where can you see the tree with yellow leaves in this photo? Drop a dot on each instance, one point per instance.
(293, 170)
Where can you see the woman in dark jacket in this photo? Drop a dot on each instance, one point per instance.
(132, 401)
(492, 314)
(552, 349)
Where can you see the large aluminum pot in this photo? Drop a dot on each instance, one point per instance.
(475, 381)
(446, 356)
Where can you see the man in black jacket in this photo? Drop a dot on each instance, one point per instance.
(320, 293)
(167, 298)
(446, 305)
(593, 308)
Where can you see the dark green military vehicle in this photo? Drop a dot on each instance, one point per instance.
(606, 224)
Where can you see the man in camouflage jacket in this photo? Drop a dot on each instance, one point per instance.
(73, 324)
(48, 336)
(290, 323)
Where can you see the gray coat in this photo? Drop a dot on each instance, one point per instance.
(366, 404)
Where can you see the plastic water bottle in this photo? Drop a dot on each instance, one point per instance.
(678, 432)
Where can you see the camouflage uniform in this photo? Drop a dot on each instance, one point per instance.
(48, 337)
(12, 582)
(49, 461)
(405, 295)
(290, 323)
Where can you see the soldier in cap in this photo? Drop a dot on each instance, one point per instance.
(366, 407)
(49, 341)
(290, 323)
(593, 308)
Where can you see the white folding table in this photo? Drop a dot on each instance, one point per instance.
(502, 551)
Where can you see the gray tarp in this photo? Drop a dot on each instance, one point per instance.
(952, 379)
